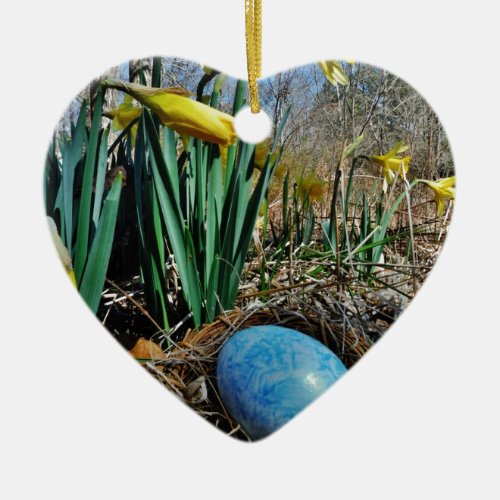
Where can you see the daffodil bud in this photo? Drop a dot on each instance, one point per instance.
(186, 116)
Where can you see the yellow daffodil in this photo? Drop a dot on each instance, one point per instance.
(334, 72)
(123, 115)
(186, 116)
(311, 188)
(444, 189)
(280, 171)
(392, 164)
(261, 152)
(259, 161)
(61, 250)
(259, 224)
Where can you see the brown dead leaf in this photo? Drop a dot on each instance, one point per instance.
(147, 350)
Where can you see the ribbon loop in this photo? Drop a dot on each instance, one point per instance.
(253, 33)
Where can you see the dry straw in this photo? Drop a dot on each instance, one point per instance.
(189, 368)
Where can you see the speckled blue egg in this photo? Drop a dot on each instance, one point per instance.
(268, 374)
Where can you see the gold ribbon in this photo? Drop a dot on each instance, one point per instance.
(253, 32)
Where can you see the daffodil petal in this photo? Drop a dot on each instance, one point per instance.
(334, 72)
(443, 190)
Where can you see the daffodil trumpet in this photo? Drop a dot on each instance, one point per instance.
(443, 189)
(175, 109)
(392, 165)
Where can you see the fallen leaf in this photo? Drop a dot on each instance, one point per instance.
(146, 350)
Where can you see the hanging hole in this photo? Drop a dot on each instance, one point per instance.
(252, 128)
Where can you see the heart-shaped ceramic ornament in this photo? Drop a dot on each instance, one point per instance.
(247, 279)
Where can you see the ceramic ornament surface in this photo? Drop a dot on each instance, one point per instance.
(248, 278)
(268, 374)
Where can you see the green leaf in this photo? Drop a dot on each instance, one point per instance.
(239, 99)
(170, 156)
(179, 236)
(156, 73)
(151, 246)
(332, 234)
(239, 96)
(214, 201)
(52, 179)
(379, 235)
(284, 206)
(192, 283)
(83, 228)
(231, 268)
(212, 290)
(100, 177)
(124, 133)
(348, 190)
(92, 282)
(71, 155)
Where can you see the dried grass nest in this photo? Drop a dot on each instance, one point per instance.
(190, 365)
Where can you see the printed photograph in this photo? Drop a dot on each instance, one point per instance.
(247, 279)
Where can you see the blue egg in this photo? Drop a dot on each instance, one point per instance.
(268, 374)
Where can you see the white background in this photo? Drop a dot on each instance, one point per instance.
(417, 418)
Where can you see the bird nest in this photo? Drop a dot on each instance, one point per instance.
(189, 366)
